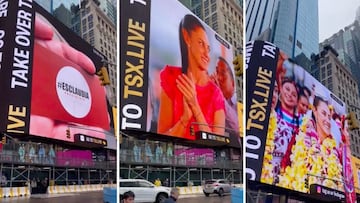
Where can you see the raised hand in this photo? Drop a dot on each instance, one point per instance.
(187, 87)
(46, 36)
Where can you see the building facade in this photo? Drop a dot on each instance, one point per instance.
(334, 75)
(109, 8)
(260, 18)
(99, 31)
(39, 155)
(347, 43)
(293, 26)
(225, 17)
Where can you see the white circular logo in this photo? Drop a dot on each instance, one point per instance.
(73, 92)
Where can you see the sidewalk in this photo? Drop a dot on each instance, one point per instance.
(45, 196)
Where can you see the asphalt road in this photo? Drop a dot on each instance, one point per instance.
(97, 197)
(88, 197)
(210, 199)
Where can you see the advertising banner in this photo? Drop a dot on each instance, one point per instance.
(296, 131)
(194, 156)
(176, 73)
(356, 173)
(48, 79)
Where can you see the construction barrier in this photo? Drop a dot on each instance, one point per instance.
(7, 192)
(190, 190)
(198, 189)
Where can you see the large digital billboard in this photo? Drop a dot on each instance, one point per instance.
(47, 77)
(296, 129)
(356, 173)
(176, 73)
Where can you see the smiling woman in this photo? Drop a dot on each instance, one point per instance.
(186, 91)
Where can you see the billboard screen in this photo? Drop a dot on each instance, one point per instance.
(48, 79)
(176, 73)
(296, 130)
(356, 173)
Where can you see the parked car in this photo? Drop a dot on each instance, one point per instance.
(219, 187)
(144, 190)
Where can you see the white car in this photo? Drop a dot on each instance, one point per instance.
(144, 190)
(216, 186)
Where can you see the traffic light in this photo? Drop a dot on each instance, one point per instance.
(238, 65)
(103, 76)
(3, 140)
(352, 121)
(68, 133)
(307, 183)
(192, 132)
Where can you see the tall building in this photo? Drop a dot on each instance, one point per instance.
(240, 2)
(260, 19)
(358, 14)
(347, 43)
(224, 16)
(64, 15)
(98, 29)
(109, 9)
(46, 4)
(293, 26)
(334, 75)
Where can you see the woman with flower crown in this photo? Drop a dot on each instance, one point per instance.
(314, 157)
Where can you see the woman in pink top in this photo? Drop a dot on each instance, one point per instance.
(188, 96)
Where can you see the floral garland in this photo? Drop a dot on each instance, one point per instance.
(267, 175)
(308, 156)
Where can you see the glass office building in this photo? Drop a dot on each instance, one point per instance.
(292, 25)
(296, 27)
(260, 18)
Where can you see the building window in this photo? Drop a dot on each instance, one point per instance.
(91, 33)
(290, 38)
(206, 3)
(215, 25)
(213, 8)
(91, 24)
(330, 85)
(214, 17)
(84, 28)
(328, 66)
(213, 1)
(326, 59)
(329, 72)
(207, 21)
(206, 12)
(85, 36)
(92, 41)
(225, 27)
(298, 44)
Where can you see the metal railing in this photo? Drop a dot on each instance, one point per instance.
(128, 156)
(10, 157)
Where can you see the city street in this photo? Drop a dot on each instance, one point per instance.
(88, 197)
(202, 198)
